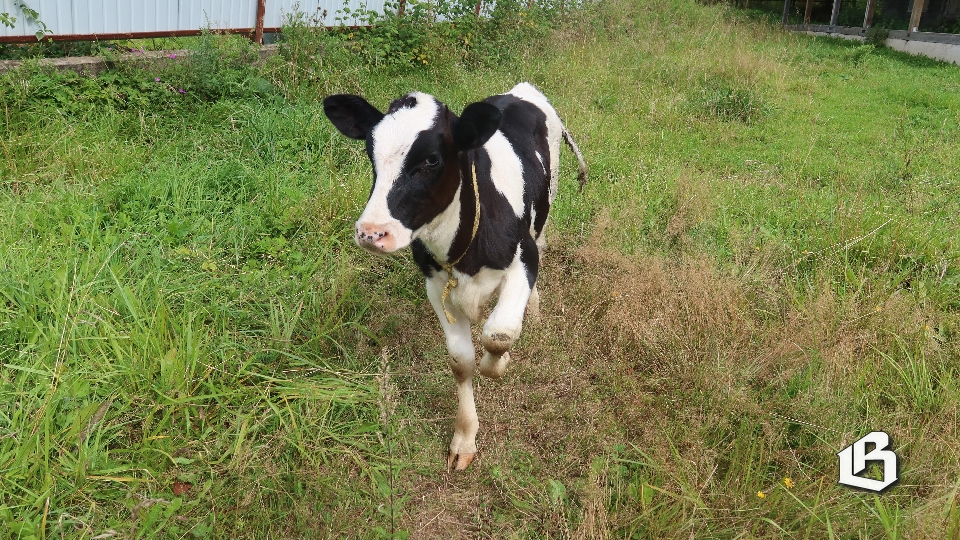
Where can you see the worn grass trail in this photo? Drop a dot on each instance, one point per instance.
(762, 269)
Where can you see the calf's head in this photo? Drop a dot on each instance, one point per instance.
(416, 150)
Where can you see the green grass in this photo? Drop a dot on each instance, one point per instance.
(762, 269)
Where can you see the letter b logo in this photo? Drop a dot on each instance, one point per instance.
(854, 458)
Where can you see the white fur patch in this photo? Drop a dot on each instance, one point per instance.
(506, 171)
(473, 292)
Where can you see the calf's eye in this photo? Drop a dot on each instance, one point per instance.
(432, 160)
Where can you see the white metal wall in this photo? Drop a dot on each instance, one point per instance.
(278, 10)
(68, 17)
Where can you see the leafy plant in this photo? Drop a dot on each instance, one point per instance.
(877, 36)
(30, 14)
(427, 33)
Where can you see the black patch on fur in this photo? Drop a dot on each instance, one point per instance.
(406, 102)
(530, 257)
(464, 236)
(425, 261)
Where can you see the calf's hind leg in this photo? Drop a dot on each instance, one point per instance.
(463, 363)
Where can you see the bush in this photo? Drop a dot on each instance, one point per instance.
(426, 34)
(214, 68)
(877, 36)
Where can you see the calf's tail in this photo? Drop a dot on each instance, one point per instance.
(582, 174)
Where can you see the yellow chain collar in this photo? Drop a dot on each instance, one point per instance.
(448, 267)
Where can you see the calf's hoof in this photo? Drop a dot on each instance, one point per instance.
(493, 366)
(459, 462)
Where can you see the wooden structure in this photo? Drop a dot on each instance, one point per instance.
(933, 12)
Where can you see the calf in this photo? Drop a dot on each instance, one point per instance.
(470, 196)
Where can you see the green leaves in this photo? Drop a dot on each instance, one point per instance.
(29, 15)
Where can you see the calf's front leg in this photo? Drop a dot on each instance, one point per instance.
(463, 363)
(505, 322)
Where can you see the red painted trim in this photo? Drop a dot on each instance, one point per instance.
(119, 35)
(162, 33)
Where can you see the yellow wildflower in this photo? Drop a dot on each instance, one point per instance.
(788, 482)
(761, 494)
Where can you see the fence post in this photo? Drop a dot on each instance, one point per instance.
(868, 15)
(258, 29)
(479, 5)
(836, 13)
(786, 12)
(403, 5)
(915, 16)
(807, 12)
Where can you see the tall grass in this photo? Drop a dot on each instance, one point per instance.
(762, 269)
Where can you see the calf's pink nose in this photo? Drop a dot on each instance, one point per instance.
(372, 236)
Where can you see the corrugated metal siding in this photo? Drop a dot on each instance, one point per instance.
(122, 16)
(278, 10)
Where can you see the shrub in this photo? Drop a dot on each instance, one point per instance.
(426, 34)
(877, 36)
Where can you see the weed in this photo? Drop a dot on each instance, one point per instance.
(877, 36)
(726, 102)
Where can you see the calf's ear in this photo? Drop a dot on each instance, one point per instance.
(478, 123)
(352, 115)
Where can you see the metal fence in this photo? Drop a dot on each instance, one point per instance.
(130, 19)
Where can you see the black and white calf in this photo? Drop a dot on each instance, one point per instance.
(470, 196)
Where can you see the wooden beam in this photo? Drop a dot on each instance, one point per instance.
(786, 11)
(868, 15)
(806, 12)
(836, 13)
(915, 16)
(258, 29)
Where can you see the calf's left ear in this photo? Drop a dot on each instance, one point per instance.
(476, 125)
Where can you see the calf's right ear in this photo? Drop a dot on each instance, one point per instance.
(352, 115)
(476, 125)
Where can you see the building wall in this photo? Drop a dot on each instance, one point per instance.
(69, 17)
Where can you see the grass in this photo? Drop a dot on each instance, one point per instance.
(762, 269)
